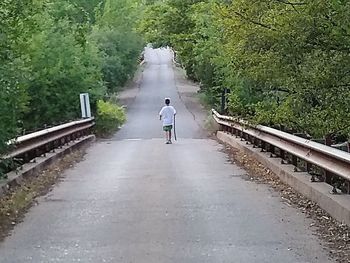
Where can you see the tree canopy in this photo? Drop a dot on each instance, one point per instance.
(52, 50)
(285, 62)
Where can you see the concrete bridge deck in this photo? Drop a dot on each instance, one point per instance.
(136, 200)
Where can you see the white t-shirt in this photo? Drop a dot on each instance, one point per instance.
(167, 113)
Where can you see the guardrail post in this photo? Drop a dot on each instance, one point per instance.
(282, 156)
(308, 170)
(347, 187)
(248, 139)
(272, 150)
(327, 177)
(37, 152)
(308, 167)
(236, 133)
(241, 135)
(254, 142)
(295, 163)
(336, 184)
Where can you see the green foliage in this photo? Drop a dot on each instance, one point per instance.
(61, 70)
(120, 53)
(119, 44)
(13, 95)
(52, 50)
(286, 63)
(109, 118)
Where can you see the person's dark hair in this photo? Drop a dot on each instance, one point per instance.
(167, 101)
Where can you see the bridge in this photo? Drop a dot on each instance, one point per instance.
(135, 199)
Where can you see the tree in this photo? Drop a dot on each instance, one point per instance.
(13, 97)
(49, 53)
(285, 62)
(119, 43)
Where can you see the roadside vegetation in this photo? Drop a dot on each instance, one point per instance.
(53, 50)
(110, 116)
(286, 63)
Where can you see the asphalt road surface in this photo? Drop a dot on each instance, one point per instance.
(135, 199)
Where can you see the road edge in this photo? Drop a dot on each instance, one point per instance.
(338, 206)
(17, 178)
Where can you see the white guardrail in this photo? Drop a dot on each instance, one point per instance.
(334, 163)
(27, 147)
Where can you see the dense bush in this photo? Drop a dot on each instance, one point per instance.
(52, 50)
(120, 52)
(13, 96)
(61, 70)
(109, 118)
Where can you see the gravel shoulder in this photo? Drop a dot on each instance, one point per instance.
(188, 93)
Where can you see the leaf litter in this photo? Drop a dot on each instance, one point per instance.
(20, 199)
(336, 236)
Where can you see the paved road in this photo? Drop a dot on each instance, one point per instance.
(136, 200)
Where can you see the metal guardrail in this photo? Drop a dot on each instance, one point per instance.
(28, 147)
(322, 162)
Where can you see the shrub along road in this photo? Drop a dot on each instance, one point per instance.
(135, 199)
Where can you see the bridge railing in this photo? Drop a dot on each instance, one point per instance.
(322, 162)
(28, 147)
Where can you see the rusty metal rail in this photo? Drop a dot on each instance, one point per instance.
(322, 162)
(28, 147)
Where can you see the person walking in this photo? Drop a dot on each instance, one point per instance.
(167, 114)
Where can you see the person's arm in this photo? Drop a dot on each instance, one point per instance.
(160, 114)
